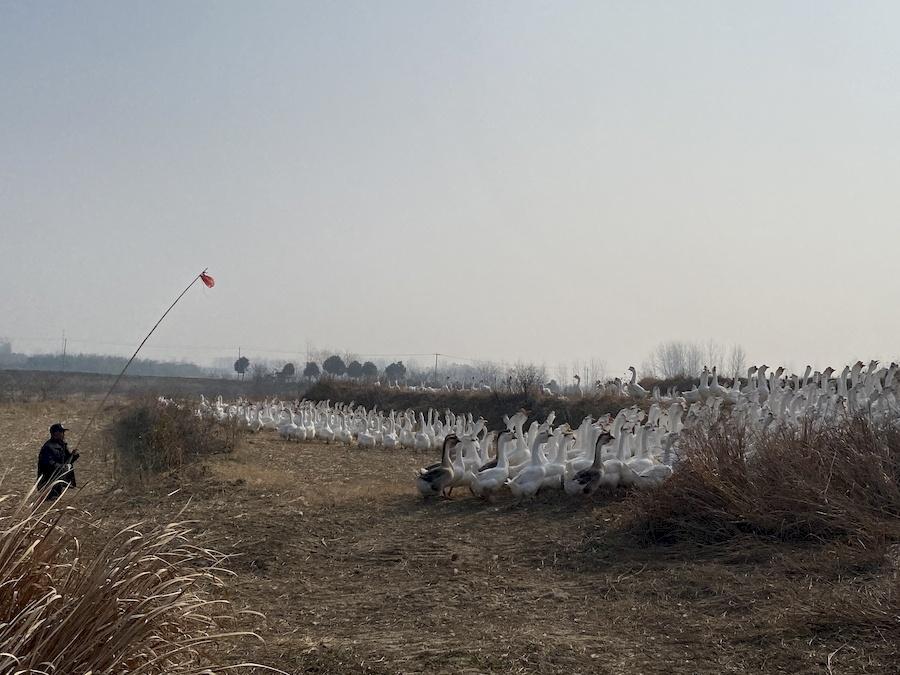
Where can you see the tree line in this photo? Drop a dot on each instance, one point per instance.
(333, 366)
(669, 360)
(95, 363)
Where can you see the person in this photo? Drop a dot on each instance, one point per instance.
(55, 462)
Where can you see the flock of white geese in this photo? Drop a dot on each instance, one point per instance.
(637, 448)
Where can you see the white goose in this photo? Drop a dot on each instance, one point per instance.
(633, 388)
(586, 480)
(652, 477)
(422, 438)
(390, 439)
(492, 477)
(529, 480)
(612, 467)
(555, 469)
(288, 429)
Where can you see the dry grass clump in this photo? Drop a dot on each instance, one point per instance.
(140, 605)
(151, 437)
(837, 483)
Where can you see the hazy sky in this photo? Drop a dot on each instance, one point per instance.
(507, 180)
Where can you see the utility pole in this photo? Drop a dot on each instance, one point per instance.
(435, 368)
(65, 343)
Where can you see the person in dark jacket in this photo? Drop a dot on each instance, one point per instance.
(55, 462)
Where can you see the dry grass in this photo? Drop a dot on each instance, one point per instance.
(138, 605)
(840, 483)
(868, 603)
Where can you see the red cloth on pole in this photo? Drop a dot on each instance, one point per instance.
(208, 280)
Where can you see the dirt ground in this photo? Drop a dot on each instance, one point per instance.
(355, 573)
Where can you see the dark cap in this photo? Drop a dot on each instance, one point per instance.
(57, 427)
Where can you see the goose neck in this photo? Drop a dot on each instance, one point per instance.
(502, 458)
(620, 447)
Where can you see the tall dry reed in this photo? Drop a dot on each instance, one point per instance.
(140, 605)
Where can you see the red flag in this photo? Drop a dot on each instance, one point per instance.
(208, 280)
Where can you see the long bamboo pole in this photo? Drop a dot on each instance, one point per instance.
(133, 357)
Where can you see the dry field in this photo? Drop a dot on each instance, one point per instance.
(355, 573)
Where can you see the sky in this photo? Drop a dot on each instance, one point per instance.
(539, 181)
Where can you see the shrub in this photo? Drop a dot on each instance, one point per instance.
(153, 437)
(835, 483)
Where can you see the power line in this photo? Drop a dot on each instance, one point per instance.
(465, 358)
(211, 349)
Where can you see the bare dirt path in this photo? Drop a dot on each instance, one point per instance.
(355, 573)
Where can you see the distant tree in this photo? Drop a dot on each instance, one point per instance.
(369, 370)
(334, 365)
(241, 366)
(488, 372)
(737, 361)
(666, 361)
(677, 359)
(693, 359)
(6, 352)
(395, 371)
(715, 356)
(355, 370)
(311, 370)
(288, 370)
(594, 370)
(527, 377)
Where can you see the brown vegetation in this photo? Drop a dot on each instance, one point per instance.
(137, 605)
(150, 437)
(492, 405)
(840, 483)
